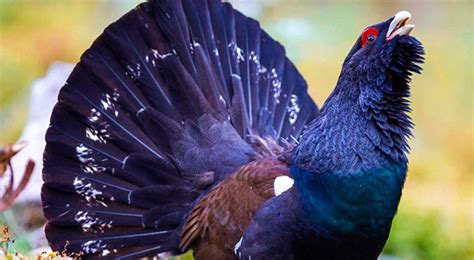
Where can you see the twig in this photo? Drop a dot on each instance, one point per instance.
(11, 193)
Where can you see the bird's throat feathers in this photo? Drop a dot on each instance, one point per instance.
(364, 123)
(358, 129)
(351, 162)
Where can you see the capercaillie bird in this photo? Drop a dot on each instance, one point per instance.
(185, 126)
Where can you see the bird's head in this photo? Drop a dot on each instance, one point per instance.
(369, 106)
(385, 53)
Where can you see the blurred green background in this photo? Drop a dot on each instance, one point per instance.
(435, 219)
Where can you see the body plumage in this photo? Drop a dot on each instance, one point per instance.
(186, 126)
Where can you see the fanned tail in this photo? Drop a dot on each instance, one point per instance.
(165, 104)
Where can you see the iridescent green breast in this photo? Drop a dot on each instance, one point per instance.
(361, 205)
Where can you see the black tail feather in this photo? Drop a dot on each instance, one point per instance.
(159, 110)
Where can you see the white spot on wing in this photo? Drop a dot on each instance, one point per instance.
(237, 247)
(282, 184)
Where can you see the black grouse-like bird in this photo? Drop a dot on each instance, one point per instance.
(185, 126)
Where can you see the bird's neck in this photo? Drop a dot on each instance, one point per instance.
(358, 129)
(350, 164)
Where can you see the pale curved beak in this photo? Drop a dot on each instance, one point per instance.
(399, 25)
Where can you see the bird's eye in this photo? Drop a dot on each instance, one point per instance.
(370, 38)
(369, 35)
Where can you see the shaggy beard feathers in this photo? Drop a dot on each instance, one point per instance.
(405, 61)
(406, 58)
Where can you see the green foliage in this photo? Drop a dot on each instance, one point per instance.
(424, 235)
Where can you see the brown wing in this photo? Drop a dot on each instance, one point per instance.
(219, 220)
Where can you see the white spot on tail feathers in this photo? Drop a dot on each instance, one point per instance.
(88, 163)
(237, 247)
(237, 51)
(253, 57)
(294, 139)
(94, 135)
(293, 109)
(276, 84)
(99, 132)
(192, 46)
(282, 184)
(90, 223)
(83, 153)
(236, 76)
(155, 55)
(94, 115)
(240, 55)
(105, 252)
(260, 69)
(106, 105)
(134, 72)
(141, 110)
(87, 191)
(221, 99)
(108, 102)
(93, 246)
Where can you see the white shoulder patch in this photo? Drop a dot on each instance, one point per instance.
(282, 184)
(237, 247)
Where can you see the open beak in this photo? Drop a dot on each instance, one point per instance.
(399, 25)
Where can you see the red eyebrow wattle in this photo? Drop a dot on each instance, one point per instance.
(368, 31)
